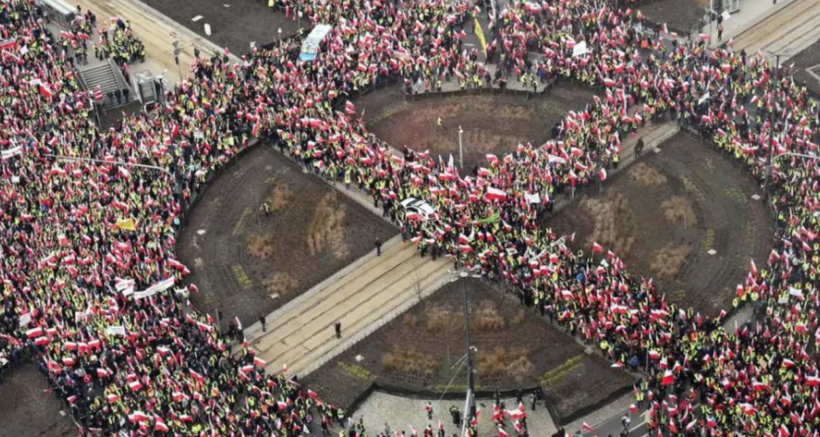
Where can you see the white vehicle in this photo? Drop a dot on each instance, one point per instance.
(420, 207)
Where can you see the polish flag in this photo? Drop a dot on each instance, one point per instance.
(258, 362)
(668, 378)
(618, 365)
(502, 433)
(138, 416)
(787, 363)
(691, 425)
(42, 341)
(350, 108)
(759, 386)
(46, 90)
(256, 128)
(177, 396)
(246, 369)
(496, 194)
(602, 174)
(34, 332)
(597, 248)
(312, 394)
(113, 398)
(135, 385)
(812, 381)
(587, 428)
(160, 425)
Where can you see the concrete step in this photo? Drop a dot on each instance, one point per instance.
(302, 341)
(389, 305)
(328, 303)
(403, 304)
(339, 279)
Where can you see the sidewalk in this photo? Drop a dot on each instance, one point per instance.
(157, 32)
(363, 297)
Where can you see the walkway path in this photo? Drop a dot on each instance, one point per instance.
(787, 30)
(363, 297)
(157, 32)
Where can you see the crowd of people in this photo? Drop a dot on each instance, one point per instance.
(91, 286)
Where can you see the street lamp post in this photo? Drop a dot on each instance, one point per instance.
(460, 147)
(280, 36)
(469, 409)
(777, 56)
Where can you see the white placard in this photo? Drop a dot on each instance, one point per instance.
(580, 49)
(116, 330)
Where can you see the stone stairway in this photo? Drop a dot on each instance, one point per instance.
(363, 297)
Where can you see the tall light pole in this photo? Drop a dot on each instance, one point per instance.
(777, 55)
(469, 408)
(280, 36)
(460, 147)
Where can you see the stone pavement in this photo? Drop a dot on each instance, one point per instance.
(402, 413)
(157, 32)
(363, 297)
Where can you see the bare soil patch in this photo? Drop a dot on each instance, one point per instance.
(808, 58)
(28, 408)
(492, 123)
(515, 348)
(248, 264)
(679, 15)
(665, 213)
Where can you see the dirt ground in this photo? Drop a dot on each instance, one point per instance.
(234, 23)
(679, 15)
(491, 123)
(247, 264)
(515, 348)
(808, 58)
(29, 409)
(665, 213)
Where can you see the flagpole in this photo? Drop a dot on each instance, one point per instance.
(100, 161)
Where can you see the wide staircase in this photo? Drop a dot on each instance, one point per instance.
(374, 290)
(108, 77)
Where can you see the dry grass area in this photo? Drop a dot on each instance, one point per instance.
(678, 209)
(281, 283)
(505, 362)
(614, 223)
(326, 231)
(669, 261)
(260, 246)
(410, 361)
(485, 317)
(646, 176)
(280, 198)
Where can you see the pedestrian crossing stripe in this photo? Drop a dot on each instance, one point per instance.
(480, 34)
